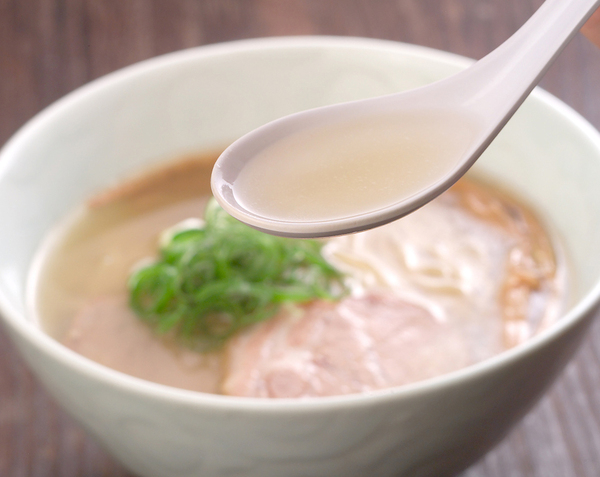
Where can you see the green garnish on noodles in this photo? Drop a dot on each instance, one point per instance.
(212, 280)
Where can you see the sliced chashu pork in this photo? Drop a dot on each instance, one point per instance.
(357, 345)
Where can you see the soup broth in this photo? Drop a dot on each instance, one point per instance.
(341, 171)
(464, 278)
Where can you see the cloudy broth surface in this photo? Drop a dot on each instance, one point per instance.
(462, 279)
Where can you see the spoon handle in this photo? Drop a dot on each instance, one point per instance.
(502, 80)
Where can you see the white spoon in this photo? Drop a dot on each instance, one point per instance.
(357, 165)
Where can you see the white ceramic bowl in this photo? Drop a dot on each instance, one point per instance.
(203, 98)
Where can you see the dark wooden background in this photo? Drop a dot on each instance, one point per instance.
(50, 47)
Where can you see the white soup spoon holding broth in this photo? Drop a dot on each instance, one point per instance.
(357, 165)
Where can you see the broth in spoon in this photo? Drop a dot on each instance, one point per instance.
(349, 169)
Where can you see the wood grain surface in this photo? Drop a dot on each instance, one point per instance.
(50, 47)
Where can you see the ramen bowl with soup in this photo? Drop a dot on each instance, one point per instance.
(197, 101)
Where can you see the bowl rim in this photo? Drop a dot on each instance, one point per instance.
(30, 332)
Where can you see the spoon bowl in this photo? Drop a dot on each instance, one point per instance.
(357, 165)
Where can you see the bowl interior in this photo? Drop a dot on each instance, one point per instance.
(202, 99)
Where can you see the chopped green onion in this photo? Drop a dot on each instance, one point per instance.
(212, 280)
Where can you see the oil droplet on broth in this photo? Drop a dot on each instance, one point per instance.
(346, 170)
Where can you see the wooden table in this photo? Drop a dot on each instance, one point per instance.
(50, 47)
